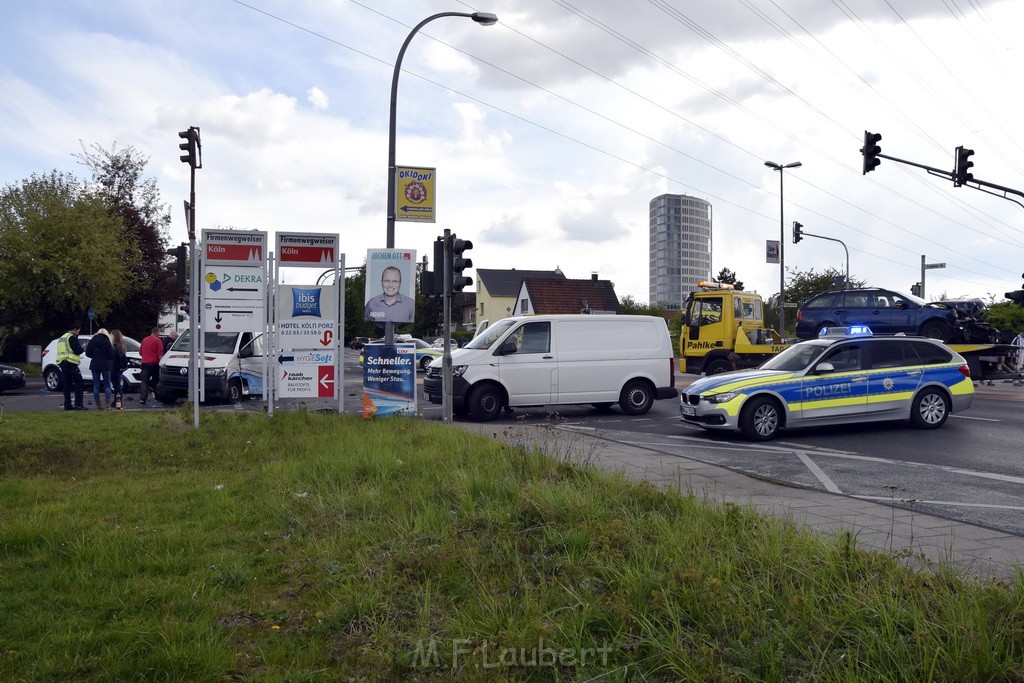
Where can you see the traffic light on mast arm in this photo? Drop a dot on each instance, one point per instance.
(961, 172)
(460, 263)
(797, 232)
(192, 147)
(871, 150)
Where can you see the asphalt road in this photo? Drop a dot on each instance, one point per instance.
(971, 470)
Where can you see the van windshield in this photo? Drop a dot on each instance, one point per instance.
(216, 342)
(491, 334)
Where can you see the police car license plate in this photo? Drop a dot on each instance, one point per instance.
(689, 411)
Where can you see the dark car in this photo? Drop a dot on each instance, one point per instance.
(11, 378)
(358, 342)
(882, 310)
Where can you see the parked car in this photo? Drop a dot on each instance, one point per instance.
(882, 310)
(835, 379)
(425, 353)
(11, 378)
(132, 379)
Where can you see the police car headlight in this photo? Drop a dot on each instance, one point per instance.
(721, 398)
(457, 370)
(216, 372)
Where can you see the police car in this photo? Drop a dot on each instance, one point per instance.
(844, 376)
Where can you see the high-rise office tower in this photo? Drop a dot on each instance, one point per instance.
(680, 247)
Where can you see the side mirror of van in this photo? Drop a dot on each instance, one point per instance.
(508, 348)
(246, 351)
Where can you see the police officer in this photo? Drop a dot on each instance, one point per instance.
(69, 357)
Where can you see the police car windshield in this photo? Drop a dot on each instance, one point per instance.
(216, 342)
(491, 334)
(798, 356)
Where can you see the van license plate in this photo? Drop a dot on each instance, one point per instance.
(689, 411)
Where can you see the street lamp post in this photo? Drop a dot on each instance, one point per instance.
(482, 18)
(782, 240)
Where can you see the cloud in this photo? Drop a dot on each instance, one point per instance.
(508, 230)
(318, 98)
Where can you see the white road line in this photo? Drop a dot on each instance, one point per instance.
(947, 503)
(971, 417)
(985, 475)
(816, 471)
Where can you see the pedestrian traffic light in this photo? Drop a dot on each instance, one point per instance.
(961, 172)
(915, 289)
(460, 263)
(871, 150)
(180, 278)
(797, 232)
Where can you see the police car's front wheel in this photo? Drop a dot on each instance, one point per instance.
(930, 409)
(761, 418)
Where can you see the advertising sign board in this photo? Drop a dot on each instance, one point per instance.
(234, 283)
(390, 285)
(389, 380)
(307, 250)
(771, 250)
(234, 248)
(234, 316)
(307, 316)
(414, 194)
(306, 374)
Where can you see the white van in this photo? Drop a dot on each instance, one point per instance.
(557, 360)
(233, 366)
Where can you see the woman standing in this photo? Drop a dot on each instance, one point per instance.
(101, 359)
(118, 366)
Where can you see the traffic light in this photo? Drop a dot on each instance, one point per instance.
(432, 282)
(180, 277)
(871, 150)
(459, 263)
(961, 173)
(188, 147)
(915, 289)
(797, 232)
(1018, 296)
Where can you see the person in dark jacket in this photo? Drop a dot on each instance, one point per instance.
(119, 365)
(101, 359)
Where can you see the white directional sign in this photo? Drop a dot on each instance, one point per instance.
(306, 374)
(235, 283)
(233, 316)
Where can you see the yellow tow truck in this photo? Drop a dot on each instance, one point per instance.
(723, 330)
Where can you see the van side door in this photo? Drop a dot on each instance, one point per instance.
(526, 365)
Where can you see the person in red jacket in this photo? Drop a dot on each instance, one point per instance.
(151, 350)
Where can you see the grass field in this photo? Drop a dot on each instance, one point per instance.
(310, 547)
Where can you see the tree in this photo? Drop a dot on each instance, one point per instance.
(118, 176)
(728, 277)
(61, 253)
(1007, 317)
(630, 306)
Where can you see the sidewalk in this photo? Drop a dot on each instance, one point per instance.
(919, 540)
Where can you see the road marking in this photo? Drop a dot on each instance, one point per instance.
(816, 471)
(941, 502)
(970, 417)
(985, 475)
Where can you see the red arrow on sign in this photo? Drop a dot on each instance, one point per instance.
(326, 339)
(325, 381)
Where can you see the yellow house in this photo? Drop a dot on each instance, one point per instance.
(497, 290)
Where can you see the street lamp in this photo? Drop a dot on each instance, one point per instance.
(782, 241)
(482, 18)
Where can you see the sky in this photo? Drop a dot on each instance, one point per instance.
(553, 129)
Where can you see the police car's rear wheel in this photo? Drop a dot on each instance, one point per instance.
(761, 419)
(930, 409)
(424, 362)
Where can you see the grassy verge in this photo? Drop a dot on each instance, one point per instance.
(318, 547)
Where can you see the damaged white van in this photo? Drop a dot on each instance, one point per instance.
(557, 360)
(233, 366)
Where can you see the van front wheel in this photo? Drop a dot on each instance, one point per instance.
(234, 394)
(485, 403)
(636, 398)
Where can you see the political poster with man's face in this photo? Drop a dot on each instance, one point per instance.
(390, 285)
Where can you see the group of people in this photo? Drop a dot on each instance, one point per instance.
(108, 359)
